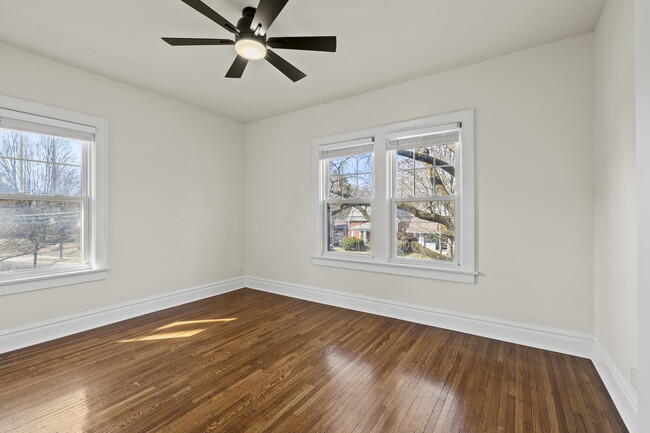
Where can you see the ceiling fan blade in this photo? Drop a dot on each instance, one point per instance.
(237, 68)
(197, 41)
(267, 12)
(204, 9)
(312, 43)
(285, 67)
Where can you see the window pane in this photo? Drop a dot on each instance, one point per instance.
(37, 178)
(336, 166)
(335, 187)
(446, 154)
(68, 151)
(349, 228)
(68, 180)
(424, 182)
(365, 186)
(404, 159)
(365, 163)
(445, 181)
(38, 147)
(348, 186)
(423, 157)
(404, 183)
(9, 143)
(425, 230)
(9, 175)
(349, 165)
(36, 234)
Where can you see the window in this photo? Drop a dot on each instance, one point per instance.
(52, 196)
(423, 193)
(349, 196)
(415, 179)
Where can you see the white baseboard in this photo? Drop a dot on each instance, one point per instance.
(557, 340)
(621, 391)
(28, 335)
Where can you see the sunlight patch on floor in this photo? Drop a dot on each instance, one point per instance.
(167, 336)
(194, 322)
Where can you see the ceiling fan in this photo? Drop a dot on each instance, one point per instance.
(251, 42)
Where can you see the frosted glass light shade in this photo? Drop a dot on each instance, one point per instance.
(250, 49)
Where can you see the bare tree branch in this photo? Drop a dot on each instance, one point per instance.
(429, 160)
(429, 216)
(416, 246)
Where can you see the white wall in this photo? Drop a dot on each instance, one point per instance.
(534, 187)
(175, 189)
(615, 185)
(642, 57)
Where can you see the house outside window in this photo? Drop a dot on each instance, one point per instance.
(52, 196)
(416, 217)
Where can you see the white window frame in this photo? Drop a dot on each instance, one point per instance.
(324, 200)
(383, 259)
(94, 173)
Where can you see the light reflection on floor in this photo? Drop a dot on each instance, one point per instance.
(194, 322)
(360, 375)
(166, 336)
(178, 334)
(73, 407)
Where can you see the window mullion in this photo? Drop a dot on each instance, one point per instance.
(380, 187)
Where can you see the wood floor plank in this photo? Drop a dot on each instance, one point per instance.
(250, 361)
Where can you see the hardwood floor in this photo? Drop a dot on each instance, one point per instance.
(251, 361)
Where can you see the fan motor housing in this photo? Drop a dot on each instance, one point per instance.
(244, 26)
(244, 23)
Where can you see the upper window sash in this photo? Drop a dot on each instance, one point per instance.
(56, 195)
(343, 149)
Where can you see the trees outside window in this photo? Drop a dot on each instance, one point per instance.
(41, 200)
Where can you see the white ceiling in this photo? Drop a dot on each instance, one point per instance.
(380, 43)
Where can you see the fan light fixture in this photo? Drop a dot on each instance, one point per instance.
(250, 39)
(250, 48)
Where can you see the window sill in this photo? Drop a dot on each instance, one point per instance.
(10, 284)
(445, 274)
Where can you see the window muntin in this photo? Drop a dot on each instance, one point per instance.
(347, 204)
(43, 199)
